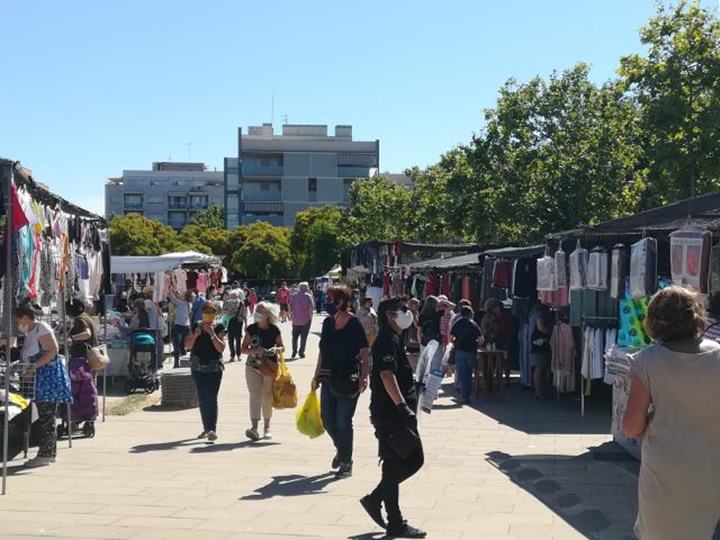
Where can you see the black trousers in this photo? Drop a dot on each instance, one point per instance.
(46, 434)
(208, 387)
(234, 335)
(300, 331)
(395, 470)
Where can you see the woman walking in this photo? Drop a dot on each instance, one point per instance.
(181, 328)
(674, 406)
(342, 369)
(207, 345)
(262, 343)
(52, 386)
(392, 402)
(235, 311)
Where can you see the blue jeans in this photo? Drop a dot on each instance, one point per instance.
(337, 415)
(464, 365)
(208, 387)
(179, 334)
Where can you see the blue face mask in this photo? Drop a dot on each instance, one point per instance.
(331, 308)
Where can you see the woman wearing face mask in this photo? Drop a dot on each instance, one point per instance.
(342, 369)
(40, 354)
(207, 344)
(392, 402)
(83, 336)
(262, 343)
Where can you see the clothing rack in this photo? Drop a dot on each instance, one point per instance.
(606, 322)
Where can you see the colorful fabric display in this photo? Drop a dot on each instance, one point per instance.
(632, 314)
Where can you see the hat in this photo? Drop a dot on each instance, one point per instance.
(442, 298)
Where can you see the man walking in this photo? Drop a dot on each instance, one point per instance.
(301, 313)
(283, 297)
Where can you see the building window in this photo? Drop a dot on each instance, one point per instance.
(177, 202)
(198, 201)
(133, 200)
(137, 212)
(264, 186)
(312, 184)
(177, 219)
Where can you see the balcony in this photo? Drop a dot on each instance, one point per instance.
(353, 172)
(271, 219)
(255, 168)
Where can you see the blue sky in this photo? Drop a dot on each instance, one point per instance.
(91, 88)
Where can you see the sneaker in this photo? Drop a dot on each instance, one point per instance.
(267, 435)
(252, 434)
(212, 436)
(302, 355)
(203, 435)
(335, 462)
(38, 461)
(405, 531)
(373, 508)
(294, 356)
(232, 359)
(345, 471)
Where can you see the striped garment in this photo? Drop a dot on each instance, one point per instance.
(712, 329)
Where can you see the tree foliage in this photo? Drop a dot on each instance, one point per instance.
(318, 238)
(261, 251)
(133, 234)
(212, 217)
(676, 87)
(379, 211)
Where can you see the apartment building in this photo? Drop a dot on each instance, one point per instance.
(170, 192)
(277, 175)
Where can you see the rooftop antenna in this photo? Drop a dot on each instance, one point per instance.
(285, 118)
(272, 109)
(189, 145)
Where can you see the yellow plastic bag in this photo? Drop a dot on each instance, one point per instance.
(308, 419)
(284, 391)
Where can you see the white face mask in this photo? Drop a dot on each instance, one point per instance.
(258, 317)
(404, 319)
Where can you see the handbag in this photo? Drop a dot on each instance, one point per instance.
(98, 358)
(52, 383)
(401, 439)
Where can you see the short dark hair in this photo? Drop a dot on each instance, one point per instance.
(675, 313)
(28, 309)
(340, 294)
(74, 307)
(387, 306)
(467, 312)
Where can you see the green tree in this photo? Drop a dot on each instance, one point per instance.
(133, 234)
(261, 251)
(318, 238)
(204, 239)
(379, 211)
(212, 217)
(677, 88)
(553, 154)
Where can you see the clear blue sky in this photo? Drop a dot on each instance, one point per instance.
(90, 88)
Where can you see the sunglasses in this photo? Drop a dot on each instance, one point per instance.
(404, 309)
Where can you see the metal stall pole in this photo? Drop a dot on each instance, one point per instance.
(63, 317)
(6, 174)
(104, 373)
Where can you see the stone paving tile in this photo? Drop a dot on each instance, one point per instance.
(507, 467)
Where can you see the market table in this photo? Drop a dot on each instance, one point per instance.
(491, 365)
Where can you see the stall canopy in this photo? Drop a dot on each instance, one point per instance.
(159, 263)
(461, 262)
(516, 252)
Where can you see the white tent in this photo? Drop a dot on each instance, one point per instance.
(158, 263)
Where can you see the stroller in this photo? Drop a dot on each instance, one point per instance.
(84, 407)
(142, 366)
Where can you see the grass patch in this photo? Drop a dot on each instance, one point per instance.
(132, 403)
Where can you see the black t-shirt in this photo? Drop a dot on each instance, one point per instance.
(388, 354)
(263, 337)
(539, 342)
(466, 332)
(430, 326)
(340, 349)
(204, 349)
(79, 348)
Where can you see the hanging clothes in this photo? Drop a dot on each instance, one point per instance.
(546, 274)
(619, 268)
(502, 274)
(578, 267)
(465, 288)
(593, 360)
(597, 269)
(562, 364)
(561, 268)
(690, 258)
(643, 268)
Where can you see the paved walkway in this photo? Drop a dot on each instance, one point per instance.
(510, 467)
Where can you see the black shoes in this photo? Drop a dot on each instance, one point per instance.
(405, 531)
(345, 471)
(335, 462)
(302, 355)
(374, 510)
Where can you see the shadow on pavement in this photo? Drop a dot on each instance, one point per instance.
(227, 447)
(292, 485)
(159, 447)
(517, 408)
(595, 493)
(369, 536)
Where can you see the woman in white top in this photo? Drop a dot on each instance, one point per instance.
(674, 406)
(40, 348)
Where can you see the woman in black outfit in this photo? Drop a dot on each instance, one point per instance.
(207, 344)
(342, 368)
(392, 403)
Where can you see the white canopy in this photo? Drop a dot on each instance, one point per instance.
(158, 263)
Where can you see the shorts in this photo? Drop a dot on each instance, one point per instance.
(283, 307)
(539, 360)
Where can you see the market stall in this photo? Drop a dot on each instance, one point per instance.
(53, 251)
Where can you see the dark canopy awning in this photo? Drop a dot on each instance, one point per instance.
(462, 262)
